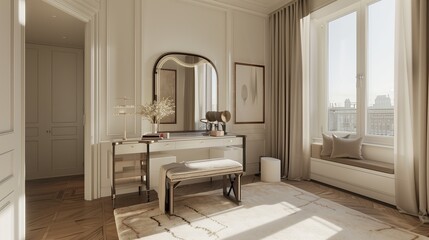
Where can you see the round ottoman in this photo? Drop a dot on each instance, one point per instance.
(270, 169)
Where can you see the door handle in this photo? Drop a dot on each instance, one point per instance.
(48, 131)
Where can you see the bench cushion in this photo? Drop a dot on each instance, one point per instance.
(204, 168)
(362, 163)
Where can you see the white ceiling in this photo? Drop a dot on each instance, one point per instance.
(48, 25)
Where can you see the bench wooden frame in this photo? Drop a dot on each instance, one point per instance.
(232, 178)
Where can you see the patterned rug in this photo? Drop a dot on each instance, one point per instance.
(268, 211)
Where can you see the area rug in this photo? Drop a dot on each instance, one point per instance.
(267, 211)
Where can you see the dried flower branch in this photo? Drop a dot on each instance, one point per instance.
(156, 111)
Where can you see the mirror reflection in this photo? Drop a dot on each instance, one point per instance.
(191, 82)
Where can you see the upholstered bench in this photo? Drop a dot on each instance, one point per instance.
(230, 170)
(371, 178)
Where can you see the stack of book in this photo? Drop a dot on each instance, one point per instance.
(152, 136)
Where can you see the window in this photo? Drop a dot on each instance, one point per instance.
(380, 68)
(342, 74)
(356, 62)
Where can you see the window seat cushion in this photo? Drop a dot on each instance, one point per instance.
(362, 163)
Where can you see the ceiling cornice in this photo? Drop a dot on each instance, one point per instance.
(81, 9)
(260, 6)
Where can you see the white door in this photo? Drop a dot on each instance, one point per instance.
(12, 197)
(54, 111)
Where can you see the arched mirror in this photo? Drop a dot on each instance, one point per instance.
(191, 81)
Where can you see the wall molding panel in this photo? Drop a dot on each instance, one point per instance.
(123, 75)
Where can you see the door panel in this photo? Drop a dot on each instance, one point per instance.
(64, 154)
(35, 119)
(6, 67)
(59, 77)
(32, 111)
(6, 218)
(32, 155)
(64, 131)
(6, 170)
(32, 82)
(32, 132)
(12, 198)
(67, 111)
(64, 87)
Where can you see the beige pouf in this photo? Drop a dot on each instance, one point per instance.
(270, 169)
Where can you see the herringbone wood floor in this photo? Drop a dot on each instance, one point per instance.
(56, 209)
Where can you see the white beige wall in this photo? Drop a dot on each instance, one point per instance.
(250, 45)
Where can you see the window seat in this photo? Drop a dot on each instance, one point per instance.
(362, 163)
(371, 178)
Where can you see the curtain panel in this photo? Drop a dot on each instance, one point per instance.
(189, 109)
(287, 89)
(412, 108)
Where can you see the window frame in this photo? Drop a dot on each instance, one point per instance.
(320, 21)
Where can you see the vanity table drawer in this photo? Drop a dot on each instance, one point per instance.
(226, 142)
(232, 141)
(162, 146)
(193, 144)
(130, 148)
(211, 142)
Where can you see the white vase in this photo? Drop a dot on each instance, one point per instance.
(154, 127)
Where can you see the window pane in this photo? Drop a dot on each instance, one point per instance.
(380, 68)
(342, 74)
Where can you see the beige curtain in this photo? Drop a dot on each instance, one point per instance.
(286, 126)
(412, 108)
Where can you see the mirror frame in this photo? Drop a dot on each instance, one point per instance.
(154, 72)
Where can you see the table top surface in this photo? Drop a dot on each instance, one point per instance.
(182, 136)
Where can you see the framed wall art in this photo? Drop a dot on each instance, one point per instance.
(249, 93)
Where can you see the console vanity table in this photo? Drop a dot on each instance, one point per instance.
(136, 170)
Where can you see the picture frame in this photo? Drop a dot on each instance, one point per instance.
(168, 79)
(249, 93)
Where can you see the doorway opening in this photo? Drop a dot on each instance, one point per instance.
(54, 98)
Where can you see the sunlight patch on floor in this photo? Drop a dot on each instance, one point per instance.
(318, 226)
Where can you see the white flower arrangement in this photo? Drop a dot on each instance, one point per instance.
(157, 110)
